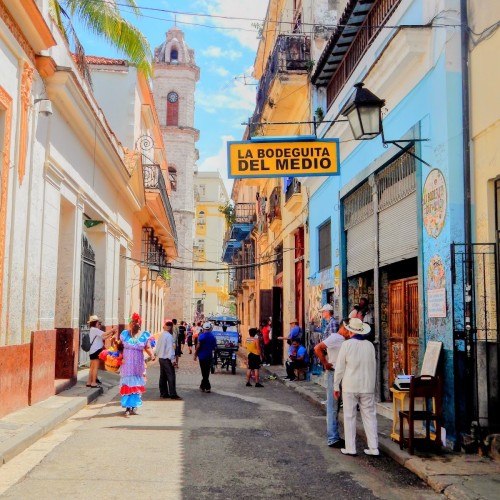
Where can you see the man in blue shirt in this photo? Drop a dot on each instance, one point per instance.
(295, 332)
(204, 349)
(331, 344)
(297, 358)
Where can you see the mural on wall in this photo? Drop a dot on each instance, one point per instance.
(436, 288)
(434, 203)
(314, 305)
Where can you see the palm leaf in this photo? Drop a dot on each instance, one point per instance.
(103, 19)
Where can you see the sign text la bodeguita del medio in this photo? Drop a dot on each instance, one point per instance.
(294, 158)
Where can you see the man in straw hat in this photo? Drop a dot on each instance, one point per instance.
(356, 370)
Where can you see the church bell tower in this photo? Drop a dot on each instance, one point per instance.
(174, 79)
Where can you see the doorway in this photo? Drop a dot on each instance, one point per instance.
(87, 287)
(403, 327)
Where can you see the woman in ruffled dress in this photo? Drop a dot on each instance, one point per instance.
(132, 370)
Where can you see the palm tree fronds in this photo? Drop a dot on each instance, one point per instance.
(103, 19)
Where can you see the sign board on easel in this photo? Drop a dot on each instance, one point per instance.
(431, 358)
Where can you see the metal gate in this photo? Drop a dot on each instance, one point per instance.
(87, 285)
(475, 338)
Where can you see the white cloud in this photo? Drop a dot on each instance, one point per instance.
(213, 51)
(244, 32)
(236, 96)
(220, 71)
(218, 162)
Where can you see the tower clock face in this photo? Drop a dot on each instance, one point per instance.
(172, 97)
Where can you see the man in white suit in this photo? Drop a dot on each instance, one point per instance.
(356, 370)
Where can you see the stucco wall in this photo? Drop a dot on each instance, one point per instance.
(426, 101)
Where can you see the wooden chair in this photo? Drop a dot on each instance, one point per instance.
(428, 388)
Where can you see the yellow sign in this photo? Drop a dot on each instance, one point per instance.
(292, 158)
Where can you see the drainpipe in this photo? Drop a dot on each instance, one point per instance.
(469, 306)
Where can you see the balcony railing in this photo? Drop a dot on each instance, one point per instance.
(153, 179)
(275, 205)
(373, 23)
(292, 188)
(291, 54)
(244, 213)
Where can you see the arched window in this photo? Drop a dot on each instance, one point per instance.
(174, 55)
(172, 109)
(201, 218)
(172, 177)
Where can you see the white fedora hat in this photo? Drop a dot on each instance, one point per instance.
(355, 325)
(93, 318)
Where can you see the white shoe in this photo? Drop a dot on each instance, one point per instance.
(372, 451)
(346, 452)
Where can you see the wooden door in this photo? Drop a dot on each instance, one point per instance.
(403, 327)
(299, 276)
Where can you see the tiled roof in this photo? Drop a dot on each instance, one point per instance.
(106, 61)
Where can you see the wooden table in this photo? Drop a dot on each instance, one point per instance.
(400, 401)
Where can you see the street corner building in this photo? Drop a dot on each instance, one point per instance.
(86, 225)
(410, 220)
(400, 225)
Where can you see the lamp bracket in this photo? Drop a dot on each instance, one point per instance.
(396, 143)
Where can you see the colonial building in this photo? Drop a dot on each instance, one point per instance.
(127, 101)
(210, 287)
(383, 228)
(174, 80)
(72, 209)
(484, 396)
(278, 209)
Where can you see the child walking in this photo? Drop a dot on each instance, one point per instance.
(254, 357)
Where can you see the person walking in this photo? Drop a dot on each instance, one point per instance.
(356, 370)
(331, 345)
(97, 337)
(132, 370)
(204, 349)
(266, 330)
(165, 352)
(254, 357)
(175, 335)
(182, 337)
(189, 333)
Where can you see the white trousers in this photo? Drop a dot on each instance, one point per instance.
(368, 414)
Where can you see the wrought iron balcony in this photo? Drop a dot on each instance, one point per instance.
(292, 188)
(244, 213)
(275, 205)
(291, 54)
(153, 179)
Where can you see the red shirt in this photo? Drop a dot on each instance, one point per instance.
(265, 333)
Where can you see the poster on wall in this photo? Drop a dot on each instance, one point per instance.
(436, 303)
(434, 203)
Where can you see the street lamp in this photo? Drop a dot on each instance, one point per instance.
(363, 111)
(154, 271)
(364, 114)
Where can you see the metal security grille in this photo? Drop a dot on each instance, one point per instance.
(397, 181)
(87, 286)
(395, 188)
(476, 345)
(358, 206)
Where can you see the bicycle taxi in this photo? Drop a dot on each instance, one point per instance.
(227, 334)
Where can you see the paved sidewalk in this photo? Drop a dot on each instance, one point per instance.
(21, 429)
(456, 475)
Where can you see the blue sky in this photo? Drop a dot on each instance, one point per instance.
(225, 93)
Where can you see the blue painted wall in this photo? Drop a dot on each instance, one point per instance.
(434, 107)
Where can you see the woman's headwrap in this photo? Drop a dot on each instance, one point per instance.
(135, 317)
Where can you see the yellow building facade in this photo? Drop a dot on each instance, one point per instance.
(284, 61)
